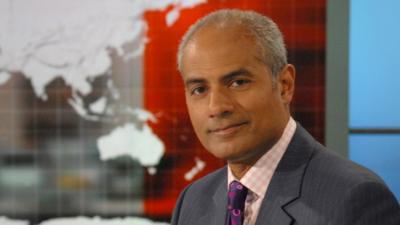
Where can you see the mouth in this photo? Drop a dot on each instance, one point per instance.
(228, 130)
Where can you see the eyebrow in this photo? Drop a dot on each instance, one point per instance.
(231, 75)
(225, 78)
(191, 81)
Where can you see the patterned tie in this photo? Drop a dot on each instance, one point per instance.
(236, 199)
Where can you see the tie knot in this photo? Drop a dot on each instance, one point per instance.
(236, 196)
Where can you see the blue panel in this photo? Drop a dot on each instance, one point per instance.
(381, 154)
(374, 64)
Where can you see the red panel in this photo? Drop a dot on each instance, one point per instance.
(303, 25)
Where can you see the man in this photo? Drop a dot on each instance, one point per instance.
(238, 88)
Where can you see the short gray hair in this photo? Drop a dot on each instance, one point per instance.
(264, 31)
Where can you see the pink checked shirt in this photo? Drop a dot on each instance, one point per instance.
(258, 177)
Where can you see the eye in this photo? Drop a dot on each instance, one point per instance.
(198, 90)
(239, 82)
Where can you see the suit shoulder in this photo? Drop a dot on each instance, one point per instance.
(345, 192)
(328, 166)
(195, 200)
(210, 181)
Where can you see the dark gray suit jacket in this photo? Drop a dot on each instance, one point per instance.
(311, 186)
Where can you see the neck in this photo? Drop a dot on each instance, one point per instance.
(239, 170)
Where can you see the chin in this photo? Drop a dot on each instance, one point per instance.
(227, 152)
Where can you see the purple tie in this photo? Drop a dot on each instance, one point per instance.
(236, 199)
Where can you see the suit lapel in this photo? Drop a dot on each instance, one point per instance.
(221, 203)
(286, 182)
(217, 212)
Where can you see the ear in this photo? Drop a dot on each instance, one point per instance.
(286, 82)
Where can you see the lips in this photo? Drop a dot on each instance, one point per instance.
(228, 129)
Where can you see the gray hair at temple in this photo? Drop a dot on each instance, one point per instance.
(265, 32)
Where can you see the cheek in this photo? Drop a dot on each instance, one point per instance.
(262, 112)
(269, 116)
(257, 106)
(196, 117)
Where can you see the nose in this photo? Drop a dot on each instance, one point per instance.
(220, 104)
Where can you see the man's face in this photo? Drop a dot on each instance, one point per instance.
(236, 111)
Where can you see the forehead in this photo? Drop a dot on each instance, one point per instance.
(219, 49)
